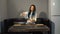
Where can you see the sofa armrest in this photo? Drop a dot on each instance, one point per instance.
(7, 24)
(52, 28)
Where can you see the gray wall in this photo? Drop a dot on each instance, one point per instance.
(3, 10)
(55, 14)
(11, 8)
(17, 6)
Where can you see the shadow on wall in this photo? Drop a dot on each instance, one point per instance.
(43, 15)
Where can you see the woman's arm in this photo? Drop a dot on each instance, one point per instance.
(24, 14)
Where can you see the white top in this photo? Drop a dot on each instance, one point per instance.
(26, 16)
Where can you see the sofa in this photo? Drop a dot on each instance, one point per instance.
(7, 23)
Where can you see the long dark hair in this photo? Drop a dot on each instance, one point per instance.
(33, 10)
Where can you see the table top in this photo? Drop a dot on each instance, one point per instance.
(28, 27)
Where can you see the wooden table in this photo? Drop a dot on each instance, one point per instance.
(29, 28)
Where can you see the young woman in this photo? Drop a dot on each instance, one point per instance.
(31, 15)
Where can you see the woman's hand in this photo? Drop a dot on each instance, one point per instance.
(23, 14)
(31, 20)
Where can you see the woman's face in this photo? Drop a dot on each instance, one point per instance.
(32, 8)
